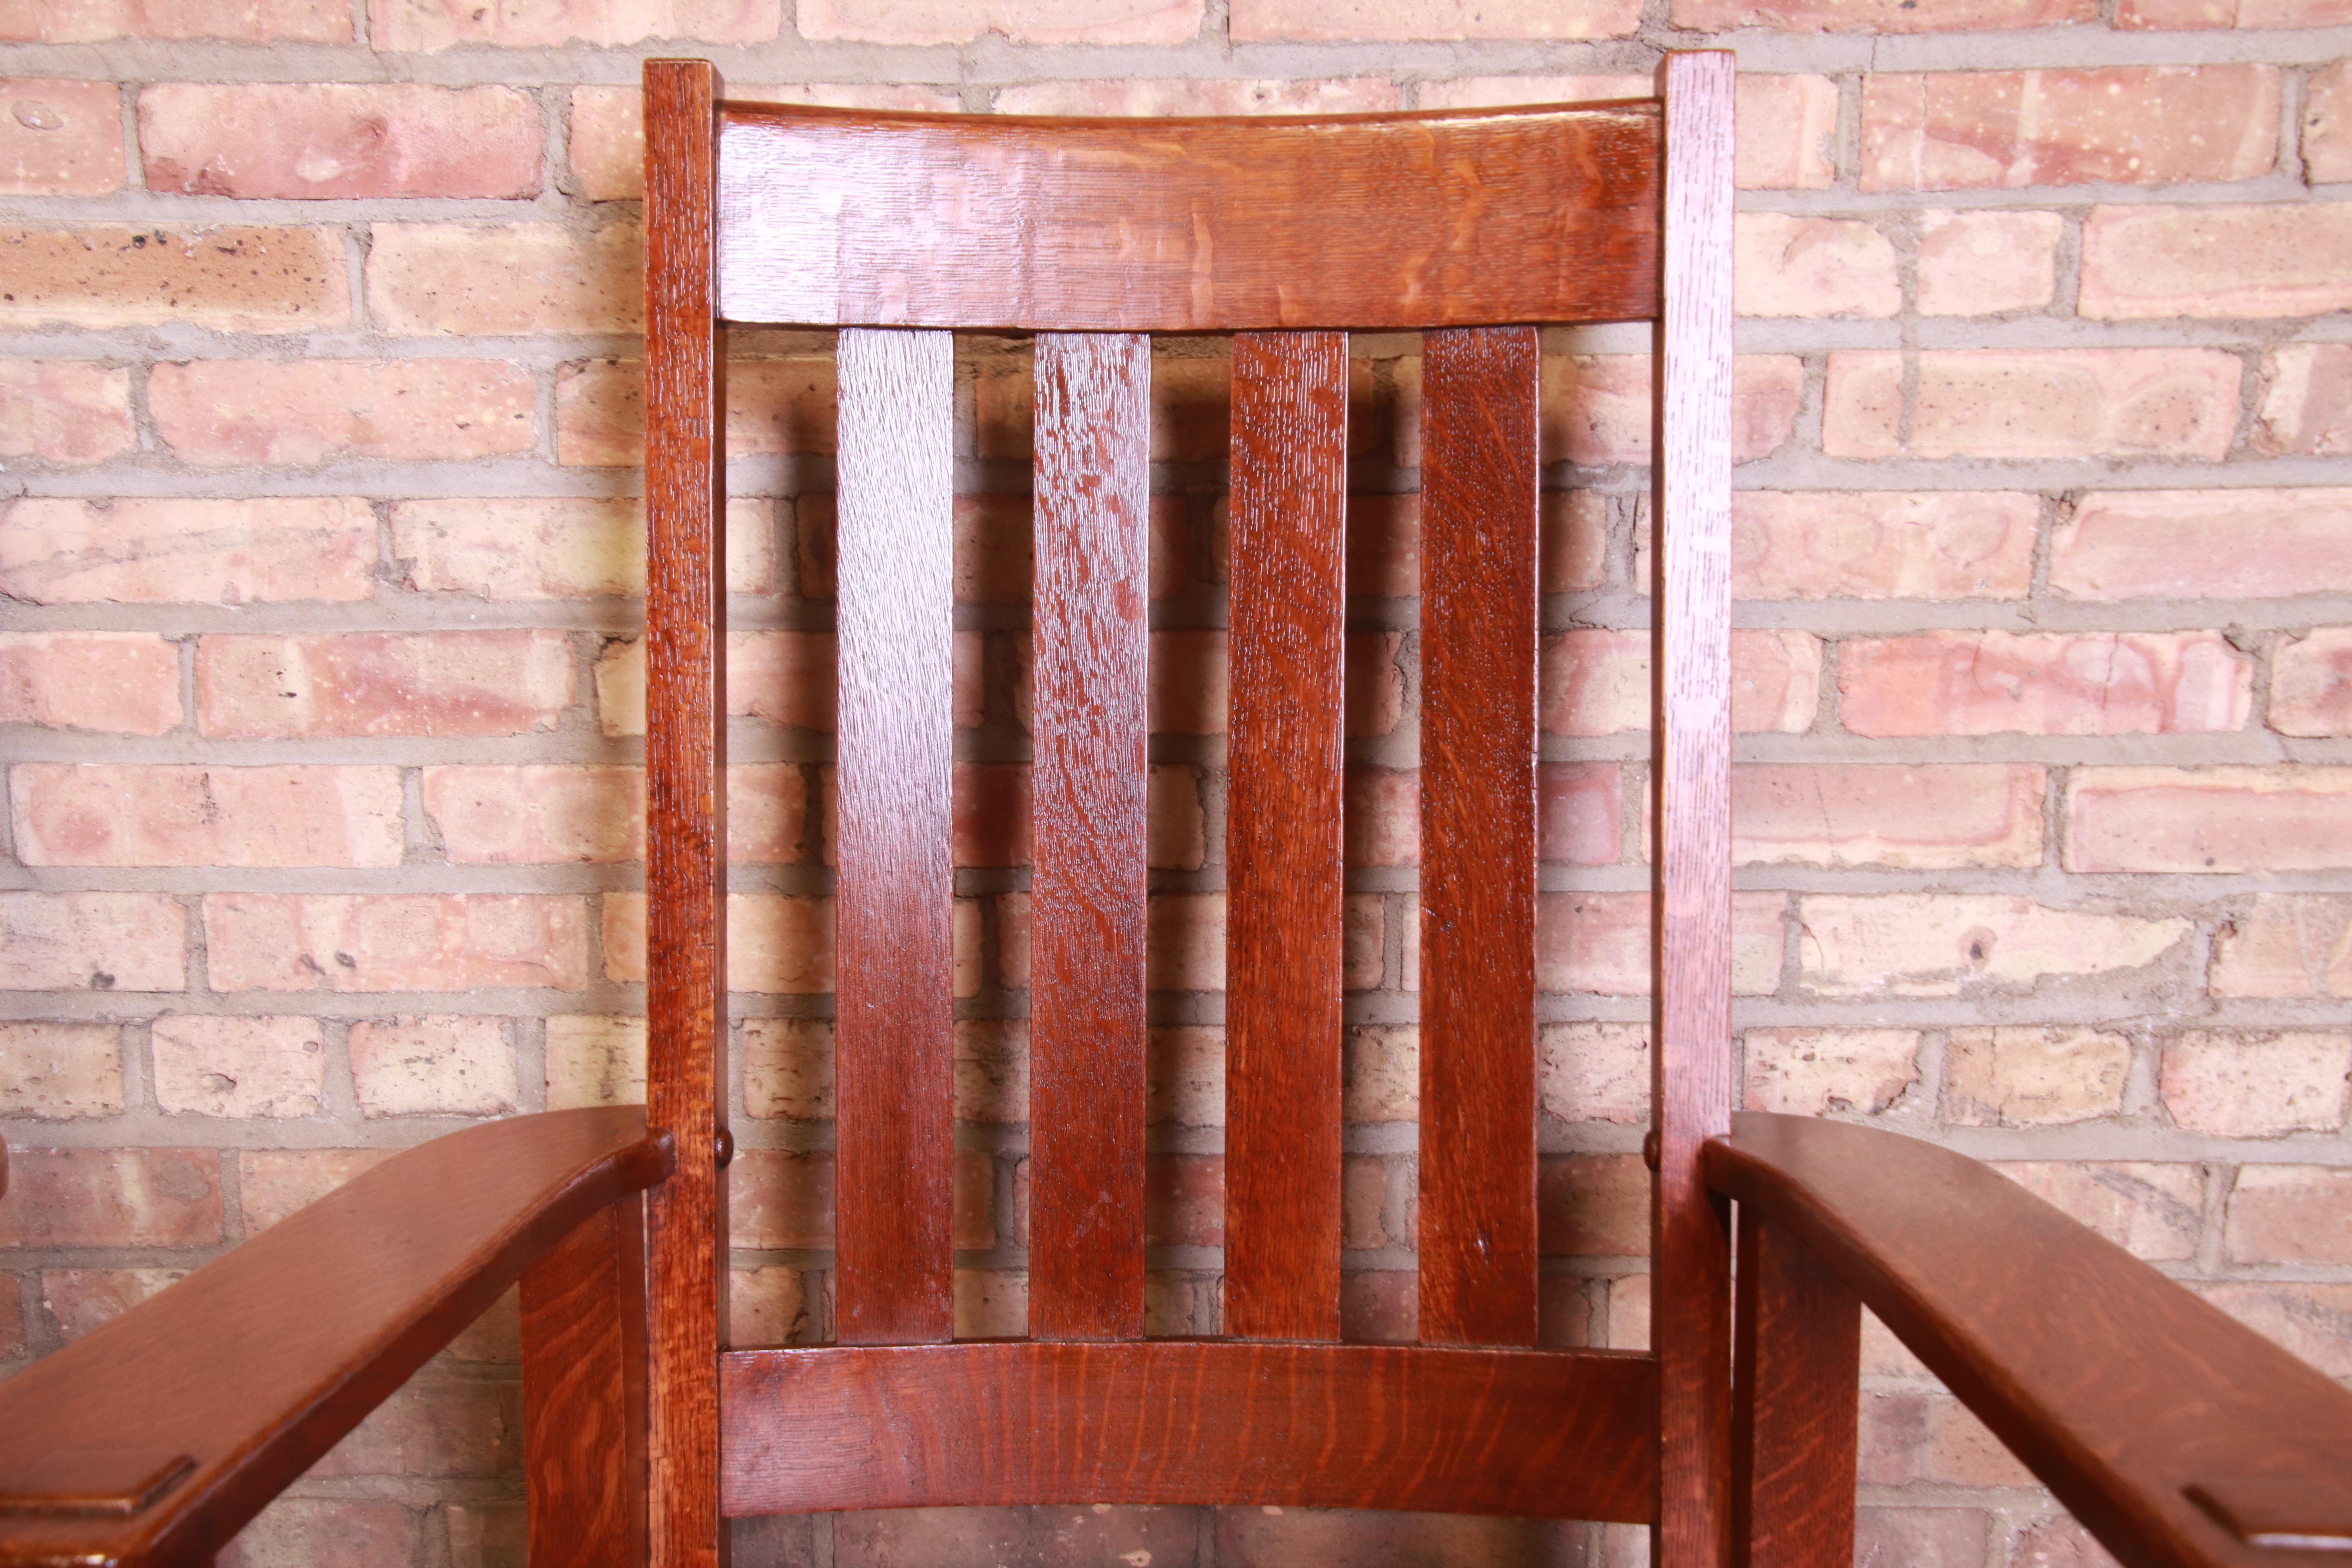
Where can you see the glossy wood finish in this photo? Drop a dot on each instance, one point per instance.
(1401, 221)
(583, 1393)
(686, 808)
(1691, 771)
(2118, 1387)
(1087, 1023)
(1795, 1405)
(1478, 837)
(895, 1028)
(1283, 815)
(1559, 1433)
(256, 1364)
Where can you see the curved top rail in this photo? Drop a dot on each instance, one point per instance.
(156, 1437)
(843, 217)
(2154, 1415)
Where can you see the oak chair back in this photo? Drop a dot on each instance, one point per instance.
(1474, 228)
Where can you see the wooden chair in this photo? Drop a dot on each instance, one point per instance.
(2176, 1436)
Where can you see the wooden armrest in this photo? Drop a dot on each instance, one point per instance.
(2174, 1434)
(155, 1437)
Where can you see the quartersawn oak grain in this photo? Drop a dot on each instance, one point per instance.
(1563, 1433)
(850, 218)
(1795, 1405)
(583, 1393)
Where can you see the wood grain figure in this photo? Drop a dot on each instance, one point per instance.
(583, 1393)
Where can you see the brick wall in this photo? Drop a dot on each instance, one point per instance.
(319, 406)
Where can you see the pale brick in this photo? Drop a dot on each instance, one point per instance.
(1880, 16)
(1791, 264)
(496, 1534)
(785, 679)
(95, 942)
(594, 1061)
(1865, 544)
(1952, 945)
(2019, 1075)
(441, 279)
(540, 816)
(2327, 125)
(2033, 402)
(1812, 1072)
(2197, 544)
(59, 138)
(1190, 677)
(1280, 1537)
(606, 136)
(1919, 1538)
(2311, 683)
(440, 1064)
(2305, 406)
(1186, 1085)
(2045, 683)
(781, 1200)
(766, 1307)
(124, 683)
(81, 1300)
(240, 21)
(1383, 816)
(1594, 1205)
(991, 1070)
(1787, 131)
(1596, 681)
(231, 280)
(1433, 21)
(2292, 259)
(1596, 408)
(1179, 95)
(111, 1197)
(1580, 813)
(2287, 945)
(558, 547)
(55, 551)
(774, 406)
(2289, 1214)
(433, 25)
(775, 945)
(2208, 819)
(2149, 125)
(1379, 1306)
(1380, 1074)
(275, 1184)
(1574, 555)
(229, 1065)
(1984, 263)
(2256, 1085)
(2153, 1211)
(303, 412)
(2137, 13)
(2314, 1322)
(65, 412)
(1933, 817)
(57, 1071)
(1594, 1072)
(1363, 1202)
(1600, 943)
(2059, 1542)
(383, 683)
(1184, 943)
(788, 1068)
(1185, 1200)
(109, 814)
(394, 941)
(1018, 21)
(318, 140)
(1915, 1436)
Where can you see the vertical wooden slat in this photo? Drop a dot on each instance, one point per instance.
(1794, 1405)
(583, 1393)
(1284, 853)
(686, 639)
(895, 1032)
(1690, 1325)
(1478, 478)
(1087, 1029)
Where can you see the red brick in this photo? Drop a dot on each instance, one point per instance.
(440, 279)
(325, 1533)
(65, 412)
(241, 21)
(2196, 545)
(1919, 1538)
(2237, 1085)
(2286, 945)
(1189, 675)
(111, 1197)
(2033, 402)
(1381, 1306)
(426, 26)
(111, 815)
(2292, 259)
(1599, 943)
(2059, 1542)
(781, 1200)
(951, 1538)
(1985, 263)
(1281, 1537)
(1591, 1204)
(318, 141)
(231, 280)
(2149, 125)
(1932, 817)
(1178, 95)
(54, 551)
(383, 683)
(275, 1184)
(1580, 813)
(606, 136)
(992, 1071)
(1383, 816)
(1879, 16)
(394, 941)
(1597, 682)
(1863, 544)
(81, 1300)
(2138, 13)
(1186, 942)
(436, 1066)
(124, 683)
(2045, 683)
(57, 1071)
(1594, 1072)
(1434, 21)
(2208, 819)
(1812, 1072)
(1952, 945)
(775, 944)
(1185, 1200)
(2305, 407)
(1791, 264)
(1187, 1083)
(97, 941)
(242, 1067)
(1508, 91)
(60, 138)
(302, 412)
(2289, 1214)
(2022, 1077)
(1020, 21)
(439, 1427)
(2327, 125)
(1596, 408)
(2311, 683)
(558, 547)
(1913, 1435)
(2314, 1322)
(774, 406)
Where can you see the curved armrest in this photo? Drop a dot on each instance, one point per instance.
(2174, 1433)
(155, 1437)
